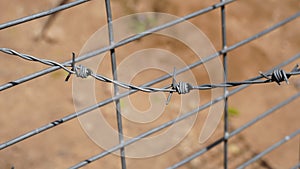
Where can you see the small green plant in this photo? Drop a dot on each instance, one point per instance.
(141, 24)
(233, 112)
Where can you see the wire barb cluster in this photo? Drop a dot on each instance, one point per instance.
(80, 71)
(278, 76)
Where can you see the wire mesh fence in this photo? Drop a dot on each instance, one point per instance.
(273, 75)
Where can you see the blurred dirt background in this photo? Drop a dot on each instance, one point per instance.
(47, 98)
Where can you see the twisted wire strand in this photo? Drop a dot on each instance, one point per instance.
(81, 71)
(35, 59)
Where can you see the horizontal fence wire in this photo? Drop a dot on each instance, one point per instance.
(274, 75)
(41, 14)
(236, 131)
(107, 101)
(297, 166)
(271, 148)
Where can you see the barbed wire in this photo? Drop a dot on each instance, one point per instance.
(278, 76)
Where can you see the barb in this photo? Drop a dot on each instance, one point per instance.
(81, 71)
(180, 88)
(73, 67)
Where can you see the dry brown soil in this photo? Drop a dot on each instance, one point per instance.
(47, 98)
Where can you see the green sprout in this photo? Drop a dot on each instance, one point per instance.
(233, 112)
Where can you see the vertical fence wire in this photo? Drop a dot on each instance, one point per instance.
(226, 122)
(115, 77)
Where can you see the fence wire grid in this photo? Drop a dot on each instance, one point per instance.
(276, 74)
